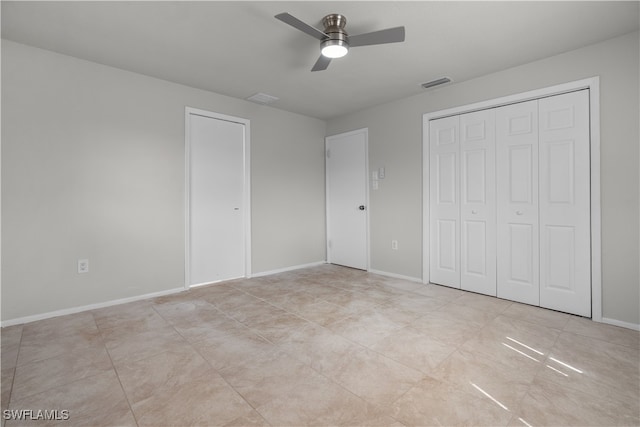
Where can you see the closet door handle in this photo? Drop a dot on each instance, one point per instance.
(519, 213)
(474, 211)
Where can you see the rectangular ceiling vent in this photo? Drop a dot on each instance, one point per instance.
(262, 98)
(436, 82)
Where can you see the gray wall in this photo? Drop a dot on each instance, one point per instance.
(395, 139)
(93, 167)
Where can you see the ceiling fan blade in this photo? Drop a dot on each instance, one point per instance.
(321, 64)
(302, 26)
(390, 35)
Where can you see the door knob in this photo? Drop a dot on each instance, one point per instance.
(474, 211)
(361, 207)
(519, 212)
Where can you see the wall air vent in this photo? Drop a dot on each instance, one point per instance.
(262, 98)
(437, 82)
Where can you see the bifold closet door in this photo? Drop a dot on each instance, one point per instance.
(565, 228)
(444, 201)
(478, 202)
(517, 207)
(510, 202)
(462, 189)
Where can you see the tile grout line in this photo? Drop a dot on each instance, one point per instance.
(361, 347)
(573, 317)
(115, 370)
(570, 386)
(46, 360)
(191, 345)
(538, 371)
(330, 379)
(15, 369)
(279, 344)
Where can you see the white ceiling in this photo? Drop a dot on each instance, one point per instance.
(238, 48)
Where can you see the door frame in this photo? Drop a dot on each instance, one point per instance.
(593, 84)
(364, 131)
(246, 197)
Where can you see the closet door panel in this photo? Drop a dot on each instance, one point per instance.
(565, 262)
(446, 248)
(477, 204)
(517, 202)
(521, 240)
(444, 192)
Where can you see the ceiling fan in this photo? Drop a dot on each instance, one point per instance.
(334, 40)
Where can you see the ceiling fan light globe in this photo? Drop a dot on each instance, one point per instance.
(334, 48)
(334, 51)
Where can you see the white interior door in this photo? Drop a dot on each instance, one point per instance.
(445, 201)
(517, 209)
(347, 199)
(478, 202)
(565, 246)
(216, 239)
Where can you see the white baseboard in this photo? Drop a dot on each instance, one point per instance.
(283, 270)
(396, 276)
(198, 285)
(73, 310)
(620, 323)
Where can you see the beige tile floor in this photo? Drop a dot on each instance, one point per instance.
(323, 346)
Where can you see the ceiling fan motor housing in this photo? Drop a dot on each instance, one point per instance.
(334, 28)
(334, 40)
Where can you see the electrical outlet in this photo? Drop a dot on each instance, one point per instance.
(83, 266)
(394, 245)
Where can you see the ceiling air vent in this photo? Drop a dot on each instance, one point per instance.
(262, 98)
(436, 82)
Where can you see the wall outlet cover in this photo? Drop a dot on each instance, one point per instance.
(83, 266)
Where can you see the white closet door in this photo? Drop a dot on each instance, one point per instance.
(478, 202)
(517, 209)
(216, 195)
(565, 261)
(445, 203)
